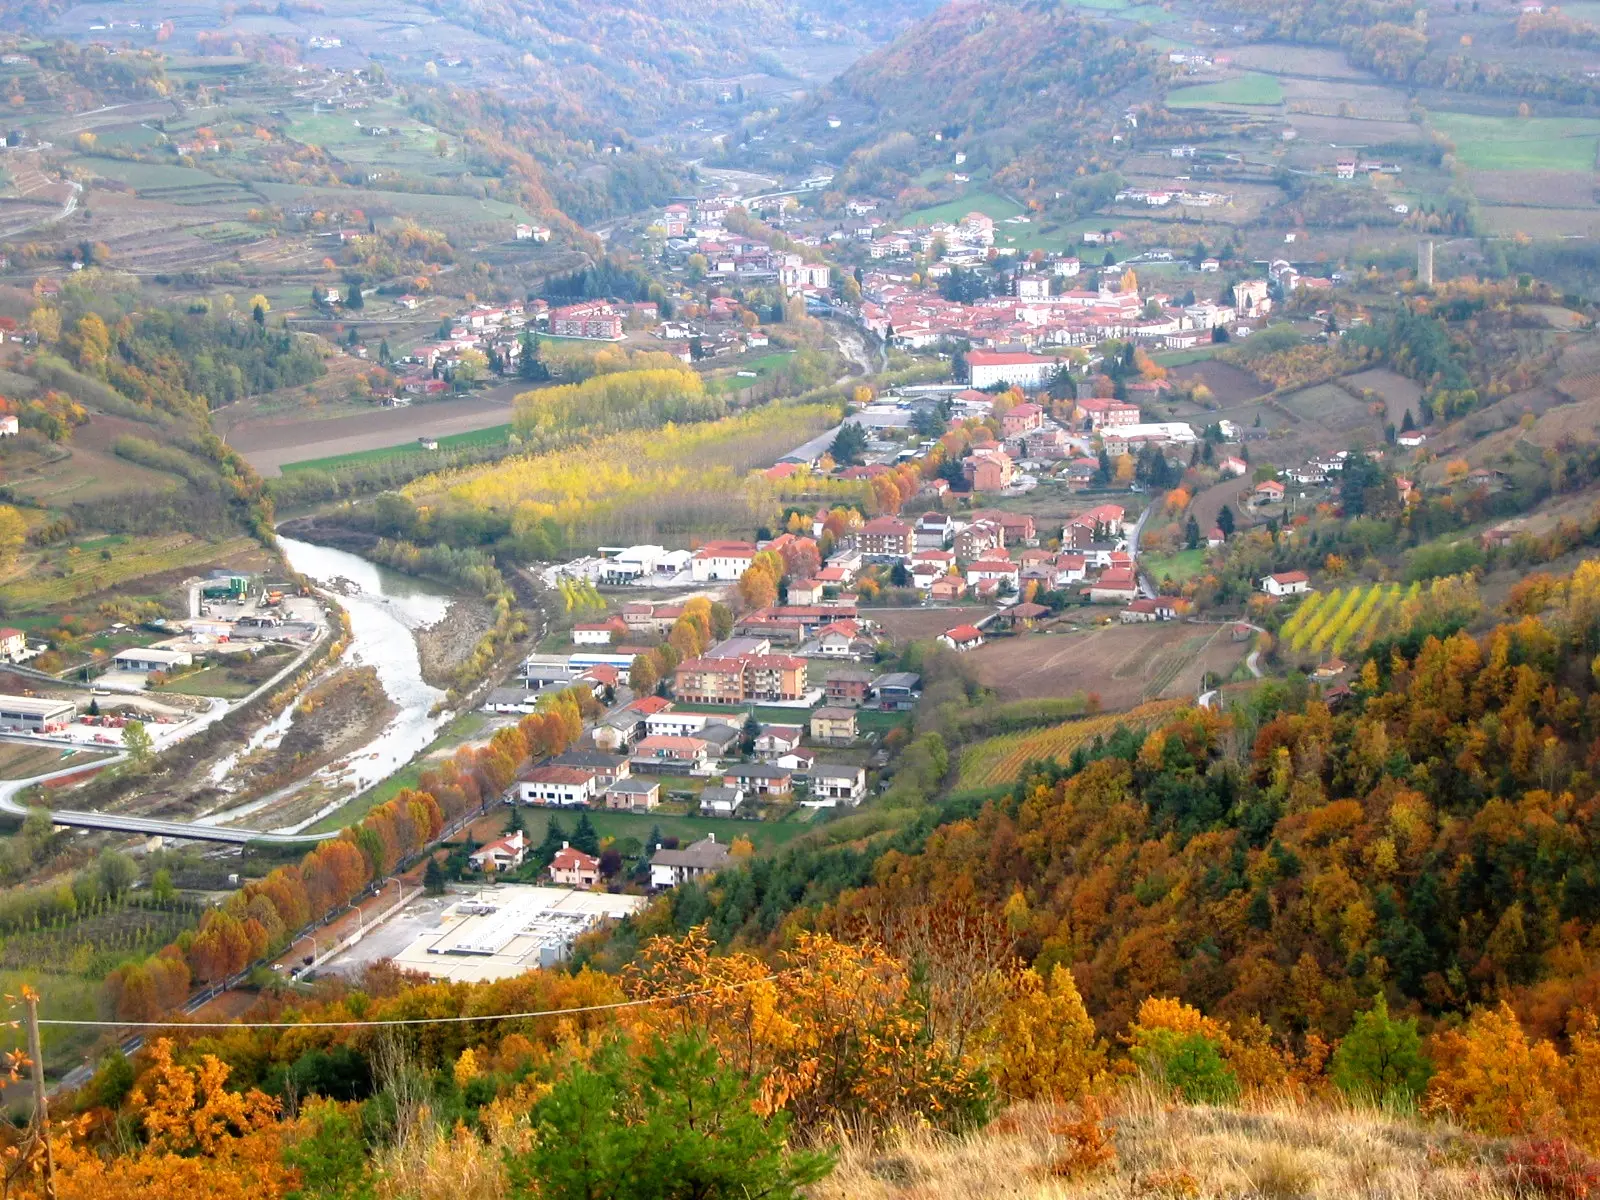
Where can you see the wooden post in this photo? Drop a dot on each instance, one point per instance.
(41, 1103)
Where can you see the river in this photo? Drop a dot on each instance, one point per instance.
(384, 608)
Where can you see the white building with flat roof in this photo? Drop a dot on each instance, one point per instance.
(34, 714)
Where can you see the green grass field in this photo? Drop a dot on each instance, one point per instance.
(992, 205)
(494, 435)
(1513, 144)
(149, 175)
(1177, 358)
(422, 206)
(1178, 567)
(1250, 88)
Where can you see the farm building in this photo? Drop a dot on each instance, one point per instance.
(34, 714)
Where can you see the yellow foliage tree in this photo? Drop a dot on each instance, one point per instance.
(1043, 1041)
(1492, 1078)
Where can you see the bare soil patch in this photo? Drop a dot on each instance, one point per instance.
(1228, 383)
(1398, 392)
(914, 624)
(1124, 665)
(267, 444)
(1314, 62)
(1534, 189)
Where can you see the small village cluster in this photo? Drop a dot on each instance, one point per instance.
(1045, 312)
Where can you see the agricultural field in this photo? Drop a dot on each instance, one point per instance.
(72, 576)
(1251, 88)
(991, 204)
(1125, 665)
(1344, 619)
(1179, 567)
(1517, 144)
(1395, 390)
(998, 760)
(918, 624)
(1316, 62)
(274, 444)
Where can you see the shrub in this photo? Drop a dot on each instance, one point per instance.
(1191, 1064)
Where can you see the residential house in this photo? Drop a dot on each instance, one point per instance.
(847, 689)
(663, 755)
(759, 779)
(669, 868)
(988, 470)
(573, 868)
(607, 768)
(833, 726)
(930, 565)
(962, 637)
(1000, 570)
(840, 639)
(1286, 583)
(633, 795)
(502, 854)
(1161, 608)
(978, 538)
(1025, 615)
(1269, 491)
(563, 787)
(947, 589)
(833, 784)
(13, 645)
(774, 741)
(806, 591)
(1020, 419)
(1116, 585)
(718, 801)
(1228, 464)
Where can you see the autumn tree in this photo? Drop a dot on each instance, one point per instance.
(1043, 1041)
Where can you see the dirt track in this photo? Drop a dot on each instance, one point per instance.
(268, 443)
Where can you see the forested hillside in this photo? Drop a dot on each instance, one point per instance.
(1019, 85)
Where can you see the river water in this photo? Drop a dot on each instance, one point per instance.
(384, 608)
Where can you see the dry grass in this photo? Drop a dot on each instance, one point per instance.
(1270, 1150)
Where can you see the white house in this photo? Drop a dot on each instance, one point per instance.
(13, 646)
(669, 868)
(8, 425)
(721, 560)
(502, 854)
(833, 785)
(986, 368)
(962, 637)
(593, 635)
(564, 787)
(1286, 583)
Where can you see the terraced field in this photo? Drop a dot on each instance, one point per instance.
(998, 760)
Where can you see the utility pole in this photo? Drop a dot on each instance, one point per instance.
(41, 1103)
